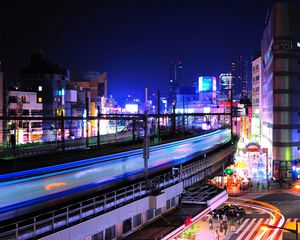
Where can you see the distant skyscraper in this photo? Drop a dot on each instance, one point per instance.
(280, 50)
(238, 70)
(175, 80)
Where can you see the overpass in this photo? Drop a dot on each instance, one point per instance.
(31, 190)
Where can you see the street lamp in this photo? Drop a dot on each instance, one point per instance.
(266, 227)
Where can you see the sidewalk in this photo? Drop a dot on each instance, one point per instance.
(206, 233)
(262, 187)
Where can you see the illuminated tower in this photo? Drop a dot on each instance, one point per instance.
(175, 79)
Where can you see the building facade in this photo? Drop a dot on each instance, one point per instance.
(49, 81)
(280, 49)
(95, 81)
(25, 104)
(256, 100)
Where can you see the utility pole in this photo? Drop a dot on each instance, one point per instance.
(231, 112)
(98, 126)
(146, 137)
(158, 114)
(183, 120)
(87, 117)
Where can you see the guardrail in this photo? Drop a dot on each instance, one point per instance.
(51, 221)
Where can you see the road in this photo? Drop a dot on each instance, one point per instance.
(286, 201)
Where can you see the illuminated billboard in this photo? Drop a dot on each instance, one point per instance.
(207, 84)
(131, 108)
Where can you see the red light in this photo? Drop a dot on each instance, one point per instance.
(188, 221)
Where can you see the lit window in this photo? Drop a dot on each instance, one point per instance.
(298, 44)
(40, 99)
(40, 88)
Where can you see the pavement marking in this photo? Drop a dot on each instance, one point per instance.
(244, 223)
(280, 234)
(246, 230)
(254, 229)
(259, 232)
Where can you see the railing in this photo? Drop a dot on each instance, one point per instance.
(51, 221)
(67, 216)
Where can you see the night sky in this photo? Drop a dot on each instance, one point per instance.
(133, 41)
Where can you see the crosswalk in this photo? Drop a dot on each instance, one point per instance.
(249, 229)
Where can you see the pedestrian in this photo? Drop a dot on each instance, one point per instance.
(210, 222)
(238, 218)
(218, 216)
(232, 226)
(257, 185)
(221, 227)
(225, 227)
(217, 236)
(268, 183)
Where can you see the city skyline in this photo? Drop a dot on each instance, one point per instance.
(134, 42)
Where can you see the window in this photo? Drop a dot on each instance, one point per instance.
(257, 78)
(40, 99)
(110, 233)
(137, 220)
(12, 99)
(13, 112)
(40, 88)
(36, 112)
(97, 236)
(127, 226)
(25, 112)
(298, 44)
(36, 124)
(23, 99)
(168, 204)
(157, 211)
(150, 214)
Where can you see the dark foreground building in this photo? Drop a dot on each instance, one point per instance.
(280, 50)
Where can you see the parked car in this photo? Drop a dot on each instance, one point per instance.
(229, 210)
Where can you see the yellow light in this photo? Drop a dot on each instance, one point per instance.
(297, 187)
(40, 99)
(264, 228)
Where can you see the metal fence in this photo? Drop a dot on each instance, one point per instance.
(67, 216)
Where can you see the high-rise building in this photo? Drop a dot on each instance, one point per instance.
(23, 103)
(280, 49)
(256, 100)
(175, 80)
(238, 70)
(225, 80)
